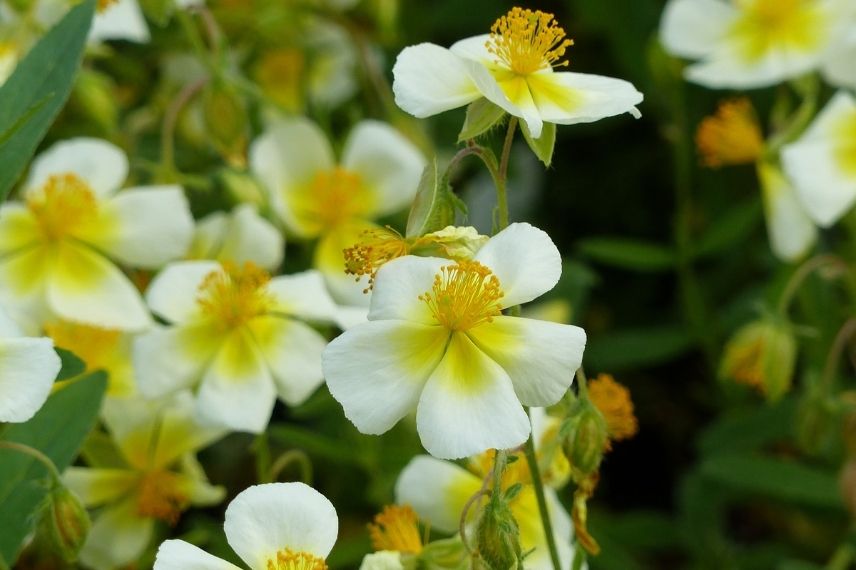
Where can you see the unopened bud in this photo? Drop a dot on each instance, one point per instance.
(585, 437)
(762, 354)
(498, 537)
(441, 554)
(64, 523)
(94, 95)
(226, 121)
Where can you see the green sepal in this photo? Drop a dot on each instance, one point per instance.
(434, 205)
(543, 146)
(482, 115)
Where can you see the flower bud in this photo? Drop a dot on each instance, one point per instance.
(762, 354)
(585, 437)
(443, 554)
(226, 121)
(64, 523)
(94, 96)
(498, 537)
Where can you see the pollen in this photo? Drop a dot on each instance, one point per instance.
(287, 559)
(94, 345)
(527, 41)
(62, 205)
(613, 401)
(376, 247)
(464, 296)
(396, 528)
(731, 136)
(234, 294)
(161, 497)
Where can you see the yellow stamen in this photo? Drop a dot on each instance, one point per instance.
(94, 345)
(527, 41)
(613, 401)
(731, 136)
(287, 559)
(333, 197)
(464, 295)
(233, 295)
(376, 247)
(161, 496)
(62, 205)
(395, 528)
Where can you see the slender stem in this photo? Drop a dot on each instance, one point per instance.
(35, 454)
(261, 449)
(582, 382)
(845, 333)
(801, 274)
(502, 179)
(288, 458)
(538, 484)
(171, 119)
(462, 525)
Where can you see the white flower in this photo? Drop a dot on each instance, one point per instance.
(513, 67)
(752, 43)
(232, 333)
(119, 20)
(28, 367)
(276, 525)
(436, 342)
(791, 231)
(822, 163)
(316, 197)
(240, 236)
(57, 248)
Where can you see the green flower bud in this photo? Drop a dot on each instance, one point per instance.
(585, 437)
(64, 523)
(498, 538)
(226, 121)
(94, 96)
(762, 354)
(443, 554)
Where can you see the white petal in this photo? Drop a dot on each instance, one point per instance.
(173, 293)
(85, 287)
(103, 166)
(508, 90)
(387, 163)
(264, 519)
(168, 359)
(437, 490)
(237, 390)
(303, 295)
(177, 434)
(28, 367)
(180, 555)
(540, 357)
(382, 560)
(120, 21)
(118, 536)
(147, 226)
(468, 405)
(9, 328)
(18, 228)
(399, 284)
(97, 487)
(525, 260)
(693, 28)
(349, 316)
(790, 229)
(569, 98)
(475, 48)
(208, 236)
(250, 237)
(430, 79)
(23, 280)
(727, 68)
(292, 351)
(329, 259)
(838, 68)
(381, 361)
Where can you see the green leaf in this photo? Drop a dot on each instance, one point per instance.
(38, 89)
(543, 146)
(57, 430)
(634, 255)
(314, 443)
(633, 348)
(72, 365)
(729, 230)
(749, 431)
(482, 115)
(434, 205)
(775, 478)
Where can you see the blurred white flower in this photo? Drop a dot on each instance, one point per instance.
(791, 231)
(239, 236)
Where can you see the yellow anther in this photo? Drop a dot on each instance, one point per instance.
(613, 401)
(161, 496)
(395, 528)
(464, 295)
(287, 559)
(731, 136)
(234, 294)
(527, 41)
(62, 205)
(376, 247)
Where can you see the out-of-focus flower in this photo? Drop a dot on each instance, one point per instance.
(281, 526)
(731, 136)
(396, 528)
(791, 232)
(233, 333)
(838, 69)
(28, 367)
(238, 237)
(437, 341)
(822, 163)
(58, 247)
(158, 477)
(513, 67)
(753, 43)
(317, 198)
(762, 354)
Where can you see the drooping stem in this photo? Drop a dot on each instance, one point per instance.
(801, 274)
(295, 456)
(261, 449)
(502, 178)
(171, 120)
(845, 333)
(538, 484)
(35, 454)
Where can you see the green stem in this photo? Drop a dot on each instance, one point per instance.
(845, 333)
(798, 123)
(582, 383)
(502, 178)
(801, 274)
(170, 121)
(538, 484)
(261, 449)
(35, 454)
(295, 456)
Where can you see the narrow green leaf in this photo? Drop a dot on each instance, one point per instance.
(749, 430)
(434, 206)
(314, 443)
(730, 229)
(634, 255)
(634, 348)
(543, 146)
(482, 115)
(38, 89)
(57, 430)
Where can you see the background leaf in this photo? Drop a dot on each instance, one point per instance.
(629, 254)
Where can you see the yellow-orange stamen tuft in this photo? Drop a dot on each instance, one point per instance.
(287, 559)
(376, 247)
(731, 136)
(527, 41)
(161, 497)
(235, 294)
(464, 295)
(613, 401)
(396, 528)
(62, 205)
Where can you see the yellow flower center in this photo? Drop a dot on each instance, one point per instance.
(62, 205)
(395, 528)
(845, 149)
(771, 24)
(287, 559)
(527, 41)
(613, 401)
(464, 295)
(161, 496)
(334, 196)
(232, 295)
(731, 136)
(376, 247)
(94, 345)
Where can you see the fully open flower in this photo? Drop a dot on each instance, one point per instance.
(514, 68)
(58, 247)
(154, 477)
(238, 237)
(822, 163)
(276, 526)
(753, 43)
(437, 342)
(233, 334)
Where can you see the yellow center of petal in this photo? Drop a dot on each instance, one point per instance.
(376, 247)
(516, 471)
(774, 24)
(845, 145)
(731, 136)
(527, 41)
(464, 295)
(161, 496)
(62, 205)
(334, 197)
(232, 295)
(287, 559)
(94, 345)
(395, 528)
